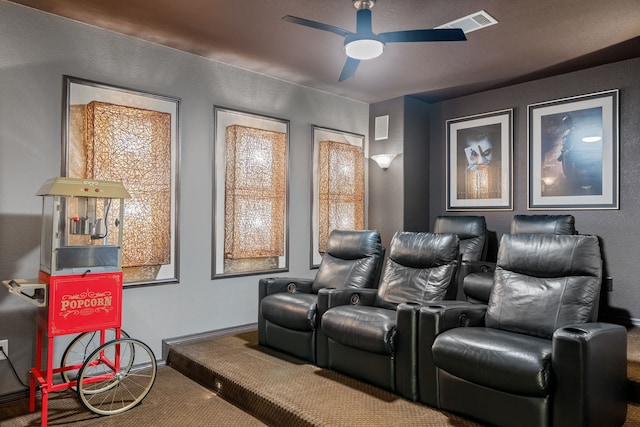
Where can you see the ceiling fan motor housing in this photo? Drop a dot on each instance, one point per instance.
(364, 4)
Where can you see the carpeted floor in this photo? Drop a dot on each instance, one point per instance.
(174, 400)
(280, 390)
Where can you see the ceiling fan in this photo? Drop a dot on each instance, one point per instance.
(365, 44)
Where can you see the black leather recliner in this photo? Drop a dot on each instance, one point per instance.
(478, 280)
(287, 318)
(370, 334)
(472, 232)
(534, 356)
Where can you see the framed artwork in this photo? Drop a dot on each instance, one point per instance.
(479, 162)
(338, 193)
(574, 153)
(119, 134)
(251, 194)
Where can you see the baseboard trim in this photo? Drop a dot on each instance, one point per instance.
(16, 395)
(624, 321)
(168, 342)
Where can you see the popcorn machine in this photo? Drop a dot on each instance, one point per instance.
(79, 291)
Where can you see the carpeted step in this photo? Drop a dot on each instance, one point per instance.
(246, 397)
(281, 390)
(633, 364)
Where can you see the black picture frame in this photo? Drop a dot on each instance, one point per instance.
(480, 162)
(573, 152)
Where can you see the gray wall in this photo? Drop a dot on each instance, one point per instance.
(399, 196)
(618, 229)
(386, 203)
(36, 50)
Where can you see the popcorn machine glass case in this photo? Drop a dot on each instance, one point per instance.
(81, 226)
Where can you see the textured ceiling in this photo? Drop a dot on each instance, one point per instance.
(532, 39)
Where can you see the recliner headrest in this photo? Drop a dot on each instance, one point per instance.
(472, 232)
(423, 250)
(541, 255)
(551, 224)
(354, 244)
(465, 227)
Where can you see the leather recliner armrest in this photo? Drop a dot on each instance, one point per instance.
(406, 352)
(480, 266)
(589, 362)
(441, 316)
(477, 287)
(478, 281)
(434, 319)
(332, 297)
(275, 285)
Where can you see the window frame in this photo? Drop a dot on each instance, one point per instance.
(319, 134)
(82, 91)
(223, 118)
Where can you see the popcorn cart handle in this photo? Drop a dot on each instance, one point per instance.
(35, 293)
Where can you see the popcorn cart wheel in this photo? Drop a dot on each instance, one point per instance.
(79, 350)
(79, 291)
(116, 376)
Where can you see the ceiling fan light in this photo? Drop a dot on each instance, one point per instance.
(364, 48)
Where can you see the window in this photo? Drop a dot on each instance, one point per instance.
(250, 170)
(339, 191)
(132, 145)
(117, 134)
(254, 198)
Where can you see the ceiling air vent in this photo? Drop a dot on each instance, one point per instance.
(472, 22)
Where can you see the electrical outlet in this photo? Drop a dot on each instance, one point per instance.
(5, 347)
(609, 283)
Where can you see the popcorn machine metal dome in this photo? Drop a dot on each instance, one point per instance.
(79, 291)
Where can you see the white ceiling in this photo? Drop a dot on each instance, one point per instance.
(533, 39)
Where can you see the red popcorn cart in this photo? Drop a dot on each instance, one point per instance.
(79, 291)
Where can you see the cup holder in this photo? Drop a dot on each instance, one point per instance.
(574, 330)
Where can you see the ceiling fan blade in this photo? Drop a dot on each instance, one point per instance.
(349, 69)
(318, 25)
(432, 35)
(363, 21)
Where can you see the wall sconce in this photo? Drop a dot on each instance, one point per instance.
(383, 160)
